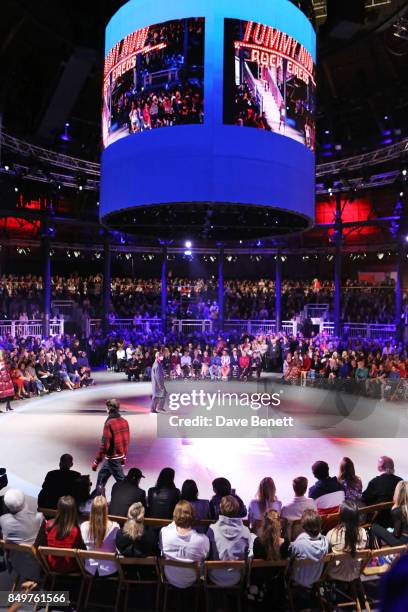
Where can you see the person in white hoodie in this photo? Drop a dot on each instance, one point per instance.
(230, 540)
(179, 542)
(311, 545)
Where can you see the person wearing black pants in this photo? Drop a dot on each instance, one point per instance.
(399, 519)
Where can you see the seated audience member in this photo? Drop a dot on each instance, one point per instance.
(21, 526)
(399, 519)
(348, 537)
(300, 503)
(180, 542)
(215, 366)
(310, 545)
(82, 494)
(163, 498)
(225, 365)
(135, 539)
(353, 487)
(201, 507)
(245, 366)
(222, 488)
(185, 363)
(327, 492)
(382, 487)
(127, 492)
(63, 532)
(265, 500)
(58, 483)
(230, 540)
(268, 586)
(99, 534)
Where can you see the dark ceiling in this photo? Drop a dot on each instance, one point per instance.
(362, 79)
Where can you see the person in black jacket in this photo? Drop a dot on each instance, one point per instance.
(127, 492)
(162, 498)
(381, 488)
(222, 488)
(134, 539)
(399, 519)
(58, 483)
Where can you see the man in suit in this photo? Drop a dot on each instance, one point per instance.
(127, 492)
(58, 483)
(158, 389)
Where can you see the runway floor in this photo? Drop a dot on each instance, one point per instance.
(38, 431)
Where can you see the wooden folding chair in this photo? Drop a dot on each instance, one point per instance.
(329, 521)
(236, 590)
(19, 552)
(352, 592)
(315, 589)
(291, 529)
(129, 567)
(277, 569)
(369, 514)
(52, 576)
(91, 580)
(184, 565)
(382, 559)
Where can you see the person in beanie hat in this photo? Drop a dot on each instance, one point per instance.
(114, 446)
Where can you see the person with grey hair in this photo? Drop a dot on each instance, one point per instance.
(381, 488)
(20, 525)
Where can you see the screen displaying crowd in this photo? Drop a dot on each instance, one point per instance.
(263, 87)
(162, 87)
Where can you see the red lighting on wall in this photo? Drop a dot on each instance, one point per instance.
(358, 210)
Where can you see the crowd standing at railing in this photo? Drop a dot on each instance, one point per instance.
(22, 298)
(323, 531)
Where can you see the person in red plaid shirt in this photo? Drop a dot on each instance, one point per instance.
(114, 446)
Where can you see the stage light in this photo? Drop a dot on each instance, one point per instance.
(80, 188)
(7, 168)
(187, 253)
(380, 255)
(327, 132)
(406, 238)
(401, 195)
(77, 254)
(98, 255)
(128, 256)
(188, 244)
(240, 242)
(283, 258)
(16, 189)
(386, 117)
(404, 172)
(330, 257)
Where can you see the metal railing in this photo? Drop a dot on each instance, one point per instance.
(368, 331)
(34, 328)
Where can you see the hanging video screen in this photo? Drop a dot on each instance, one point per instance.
(269, 81)
(154, 78)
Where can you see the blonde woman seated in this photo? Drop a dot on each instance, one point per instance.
(180, 542)
(135, 539)
(265, 500)
(348, 537)
(99, 534)
(398, 534)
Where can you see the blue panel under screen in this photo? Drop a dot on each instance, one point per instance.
(238, 166)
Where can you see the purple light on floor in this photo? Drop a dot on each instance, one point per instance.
(387, 141)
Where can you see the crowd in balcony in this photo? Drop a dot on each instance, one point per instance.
(21, 296)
